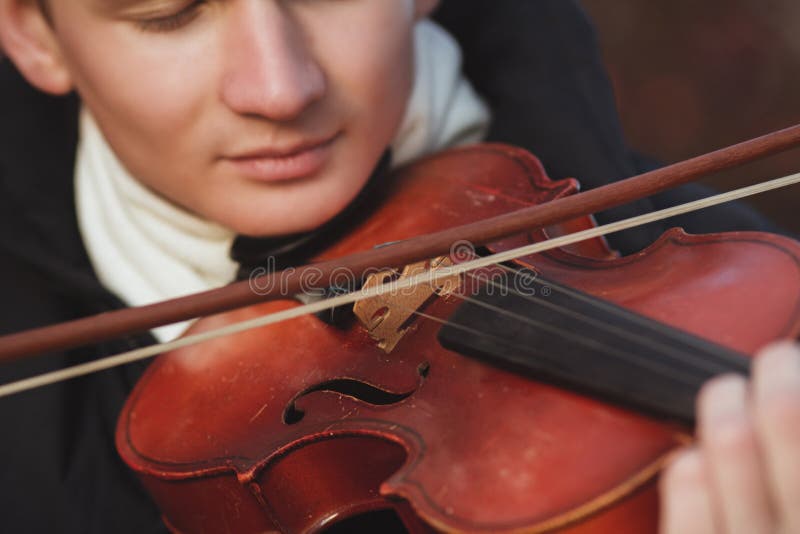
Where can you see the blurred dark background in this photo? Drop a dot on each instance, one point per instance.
(694, 76)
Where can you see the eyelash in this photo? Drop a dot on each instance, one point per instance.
(172, 22)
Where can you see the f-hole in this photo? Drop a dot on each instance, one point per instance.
(383, 521)
(355, 389)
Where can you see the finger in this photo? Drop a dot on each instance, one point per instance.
(776, 385)
(685, 497)
(739, 487)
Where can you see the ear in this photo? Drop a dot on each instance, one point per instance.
(27, 38)
(423, 8)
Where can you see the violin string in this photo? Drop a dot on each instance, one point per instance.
(349, 298)
(630, 357)
(680, 356)
(599, 347)
(682, 379)
(608, 307)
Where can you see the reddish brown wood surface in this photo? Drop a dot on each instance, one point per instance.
(470, 448)
(133, 320)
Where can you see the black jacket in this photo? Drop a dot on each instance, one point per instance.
(536, 61)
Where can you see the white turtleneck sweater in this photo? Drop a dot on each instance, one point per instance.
(146, 249)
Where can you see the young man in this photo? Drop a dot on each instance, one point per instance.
(204, 120)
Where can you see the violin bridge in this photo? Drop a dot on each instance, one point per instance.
(387, 317)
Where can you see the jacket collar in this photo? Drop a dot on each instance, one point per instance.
(38, 136)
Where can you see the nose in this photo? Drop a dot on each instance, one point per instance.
(269, 71)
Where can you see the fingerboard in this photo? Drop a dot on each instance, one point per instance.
(577, 341)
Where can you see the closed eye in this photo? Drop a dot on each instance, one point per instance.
(173, 21)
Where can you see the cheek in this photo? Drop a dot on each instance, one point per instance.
(371, 67)
(137, 91)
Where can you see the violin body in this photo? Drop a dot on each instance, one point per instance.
(298, 426)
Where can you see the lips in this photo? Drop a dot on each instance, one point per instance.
(274, 164)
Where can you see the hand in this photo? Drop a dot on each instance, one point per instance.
(743, 476)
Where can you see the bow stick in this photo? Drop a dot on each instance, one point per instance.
(365, 293)
(110, 325)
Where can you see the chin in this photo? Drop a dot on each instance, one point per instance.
(302, 207)
(292, 223)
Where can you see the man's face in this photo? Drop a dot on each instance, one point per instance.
(266, 116)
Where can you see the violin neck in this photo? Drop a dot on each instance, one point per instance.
(588, 345)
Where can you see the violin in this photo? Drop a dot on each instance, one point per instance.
(442, 407)
(305, 425)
